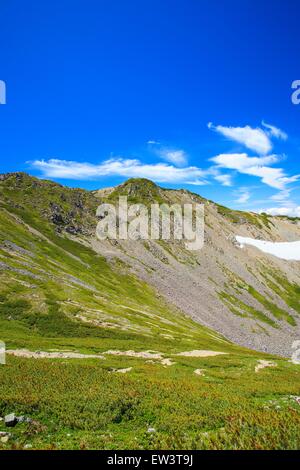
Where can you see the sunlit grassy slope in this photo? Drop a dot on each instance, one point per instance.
(57, 294)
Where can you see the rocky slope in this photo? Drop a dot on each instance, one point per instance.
(251, 298)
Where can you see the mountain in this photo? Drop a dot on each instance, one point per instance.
(162, 316)
(244, 294)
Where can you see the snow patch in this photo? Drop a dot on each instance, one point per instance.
(283, 250)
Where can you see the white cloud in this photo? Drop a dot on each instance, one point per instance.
(198, 182)
(225, 180)
(293, 211)
(243, 195)
(129, 168)
(275, 131)
(282, 195)
(254, 139)
(153, 142)
(241, 161)
(177, 157)
(256, 166)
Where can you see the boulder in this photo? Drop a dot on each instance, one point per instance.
(10, 420)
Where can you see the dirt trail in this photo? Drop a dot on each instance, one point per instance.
(142, 354)
(200, 353)
(152, 355)
(52, 355)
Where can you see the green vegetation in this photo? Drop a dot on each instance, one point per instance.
(83, 405)
(239, 285)
(238, 307)
(57, 294)
(276, 311)
(237, 217)
(138, 190)
(68, 208)
(288, 291)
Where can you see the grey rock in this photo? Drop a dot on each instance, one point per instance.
(10, 420)
(57, 219)
(73, 229)
(151, 430)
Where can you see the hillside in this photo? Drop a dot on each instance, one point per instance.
(248, 296)
(107, 340)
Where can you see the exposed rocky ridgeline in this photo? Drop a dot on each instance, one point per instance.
(71, 210)
(249, 297)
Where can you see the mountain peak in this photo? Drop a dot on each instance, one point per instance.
(138, 190)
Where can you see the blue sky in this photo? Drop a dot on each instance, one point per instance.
(188, 93)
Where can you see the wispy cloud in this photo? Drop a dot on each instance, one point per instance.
(253, 138)
(256, 166)
(225, 180)
(241, 161)
(243, 195)
(177, 157)
(282, 196)
(275, 131)
(198, 182)
(128, 168)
